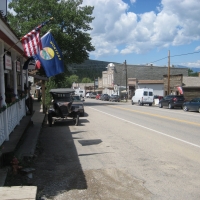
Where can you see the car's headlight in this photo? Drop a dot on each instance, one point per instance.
(51, 108)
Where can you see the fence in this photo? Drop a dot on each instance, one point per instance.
(10, 118)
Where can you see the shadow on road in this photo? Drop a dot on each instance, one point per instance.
(58, 168)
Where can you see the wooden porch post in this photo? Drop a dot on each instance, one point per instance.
(2, 81)
(43, 96)
(13, 55)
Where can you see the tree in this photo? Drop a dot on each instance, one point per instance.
(86, 80)
(69, 27)
(192, 73)
(49, 85)
(74, 79)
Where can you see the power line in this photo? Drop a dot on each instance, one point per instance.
(176, 56)
(186, 54)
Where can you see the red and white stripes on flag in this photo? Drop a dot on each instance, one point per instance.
(31, 43)
(180, 89)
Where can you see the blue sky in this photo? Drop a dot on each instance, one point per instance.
(144, 31)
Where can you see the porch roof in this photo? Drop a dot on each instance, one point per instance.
(9, 36)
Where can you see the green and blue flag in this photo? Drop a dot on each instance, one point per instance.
(50, 56)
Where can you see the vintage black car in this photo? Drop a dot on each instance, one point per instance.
(62, 106)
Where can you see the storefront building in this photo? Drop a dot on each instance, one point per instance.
(13, 81)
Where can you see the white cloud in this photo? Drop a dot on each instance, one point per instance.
(192, 64)
(197, 48)
(114, 26)
(132, 1)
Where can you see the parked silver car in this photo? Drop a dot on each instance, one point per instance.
(93, 95)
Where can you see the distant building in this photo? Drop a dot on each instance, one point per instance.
(114, 75)
(190, 85)
(114, 79)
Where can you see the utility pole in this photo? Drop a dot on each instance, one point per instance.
(126, 81)
(168, 89)
(94, 83)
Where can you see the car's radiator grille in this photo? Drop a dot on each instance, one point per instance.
(64, 109)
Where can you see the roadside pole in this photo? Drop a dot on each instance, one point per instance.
(126, 80)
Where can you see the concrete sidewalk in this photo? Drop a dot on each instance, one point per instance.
(22, 143)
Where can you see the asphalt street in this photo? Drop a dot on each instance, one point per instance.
(120, 151)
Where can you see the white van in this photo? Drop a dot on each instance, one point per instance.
(80, 92)
(143, 96)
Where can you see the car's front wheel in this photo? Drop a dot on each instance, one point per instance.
(77, 120)
(185, 108)
(170, 106)
(50, 119)
(199, 109)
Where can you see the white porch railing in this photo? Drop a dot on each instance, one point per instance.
(10, 118)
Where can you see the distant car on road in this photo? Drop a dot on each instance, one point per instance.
(172, 101)
(93, 95)
(87, 94)
(143, 96)
(115, 98)
(193, 105)
(105, 97)
(98, 96)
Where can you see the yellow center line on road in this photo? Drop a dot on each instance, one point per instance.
(159, 116)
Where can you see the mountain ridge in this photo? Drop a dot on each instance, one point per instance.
(194, 69)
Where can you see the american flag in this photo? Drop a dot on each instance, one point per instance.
(180, 89)
(31, 42)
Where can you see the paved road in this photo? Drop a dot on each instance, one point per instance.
(121, 151)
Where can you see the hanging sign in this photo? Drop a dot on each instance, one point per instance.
(8, 62)
(18, 66)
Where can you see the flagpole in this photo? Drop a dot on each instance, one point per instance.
(11, 48)
(21, 38)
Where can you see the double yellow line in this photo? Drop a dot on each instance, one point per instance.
(159, 116)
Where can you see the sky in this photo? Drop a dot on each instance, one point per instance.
(146, 31)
